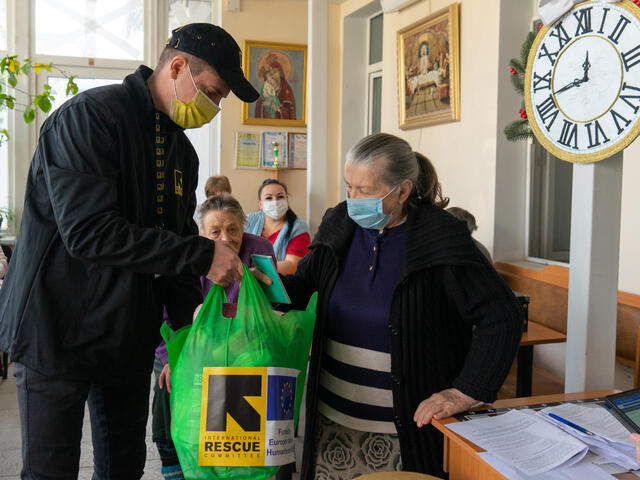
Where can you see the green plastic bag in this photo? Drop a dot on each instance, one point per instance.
(174, 340)
(256, 337)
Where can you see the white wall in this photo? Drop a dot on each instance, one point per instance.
(263, 21)
(511, 157)
(464, 152)
(629, 275)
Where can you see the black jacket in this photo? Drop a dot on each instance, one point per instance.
(84, 292)
(446, 288)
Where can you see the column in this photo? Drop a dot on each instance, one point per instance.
(317, 101)
(593, 280)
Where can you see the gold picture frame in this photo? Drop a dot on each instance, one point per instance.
(429, 70)
(278, 71)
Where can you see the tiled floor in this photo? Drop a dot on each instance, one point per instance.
(10, 457)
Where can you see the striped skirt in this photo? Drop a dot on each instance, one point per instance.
(341, 453)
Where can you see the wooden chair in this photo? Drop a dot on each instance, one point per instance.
(396, 476)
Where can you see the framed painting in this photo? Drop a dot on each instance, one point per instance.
(278, 71)
(429, 70)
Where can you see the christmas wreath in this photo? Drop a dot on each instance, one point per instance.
(520, 129)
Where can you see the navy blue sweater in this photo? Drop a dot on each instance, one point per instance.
(446, 288)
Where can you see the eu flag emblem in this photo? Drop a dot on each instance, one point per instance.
(281, 396)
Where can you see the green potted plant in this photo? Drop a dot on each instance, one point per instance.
(6, 214)
(10, 69)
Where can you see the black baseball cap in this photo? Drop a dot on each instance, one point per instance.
(216, 47)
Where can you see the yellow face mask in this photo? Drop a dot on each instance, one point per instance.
(196, 112)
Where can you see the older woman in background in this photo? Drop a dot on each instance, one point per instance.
(401, 287)
(217, 185)
(467, 217)
(220, 218)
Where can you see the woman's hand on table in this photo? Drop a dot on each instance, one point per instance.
(441, 405)
(165, 378)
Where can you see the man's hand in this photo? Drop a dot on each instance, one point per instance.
(226, 267)
(441, 405)
(195, 314)
(165, 378)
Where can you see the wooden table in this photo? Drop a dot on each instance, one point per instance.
(396, 476)
(460, 455)
(8, 240)
(536, 334)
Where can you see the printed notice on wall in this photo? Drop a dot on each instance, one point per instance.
(298, 150)
(247, 150)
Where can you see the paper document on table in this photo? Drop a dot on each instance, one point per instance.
(610, 439)
(584, 470)
(595, 419)
(523, 440)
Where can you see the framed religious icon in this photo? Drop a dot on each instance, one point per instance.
(279, 72)
(429, 70)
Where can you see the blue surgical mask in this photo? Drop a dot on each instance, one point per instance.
(367, 212)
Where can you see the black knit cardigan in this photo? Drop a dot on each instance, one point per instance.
(446, 288)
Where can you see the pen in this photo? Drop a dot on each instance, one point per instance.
(571, 424)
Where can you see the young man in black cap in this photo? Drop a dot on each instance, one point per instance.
(107, 238)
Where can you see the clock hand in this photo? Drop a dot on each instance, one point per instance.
(586, 66)
(576, 83)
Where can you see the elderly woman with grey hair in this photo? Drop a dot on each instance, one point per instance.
(219, 218)
(401, 287)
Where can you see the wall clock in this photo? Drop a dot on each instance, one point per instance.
(582, 84)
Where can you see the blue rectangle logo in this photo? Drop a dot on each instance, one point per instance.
(281, 397)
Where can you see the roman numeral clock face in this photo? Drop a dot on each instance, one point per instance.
(582, 86)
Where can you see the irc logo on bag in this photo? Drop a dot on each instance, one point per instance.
(247, 416)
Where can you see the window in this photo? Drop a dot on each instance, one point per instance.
(182, 12)
(374, 74)
(375, 39)
(4, 167)
(90, 28)
(85, 78)
(59, 86)
(375, 102)
(99, 42)
(549, 206)
(4, 120)
(3, 25)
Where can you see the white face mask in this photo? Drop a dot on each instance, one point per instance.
(275, 208)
